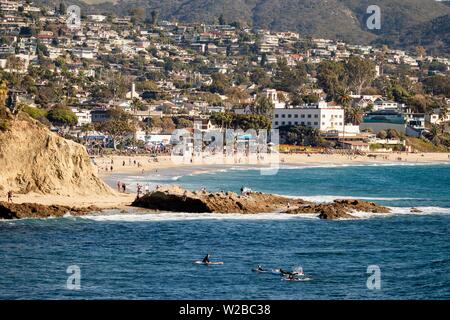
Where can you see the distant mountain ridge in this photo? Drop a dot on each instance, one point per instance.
(334, 19)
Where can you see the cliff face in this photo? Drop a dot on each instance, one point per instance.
(33, 159)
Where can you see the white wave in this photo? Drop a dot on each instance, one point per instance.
(175, 216)
(331, 198)
(184, 216)
(403, 211)
(367, 164)
(176, 178)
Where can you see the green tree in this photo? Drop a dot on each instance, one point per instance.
(264, 106)
(119, 125)
(360, 72)
(62, 116)
(382, 134)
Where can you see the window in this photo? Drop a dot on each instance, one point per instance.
(340, 123)
(289, 122)
(283, 123)
(295, 115)
(302, 116)
(296, 122)
(309, 123)
(276, 116)
(316, 116)
(323, 116)
(303, 123)
(323, 123)
(276, 123)
(316, 123)
(309, 116)
(283, 116)
(289, 115)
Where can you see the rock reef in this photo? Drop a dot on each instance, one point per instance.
(174, 198)
(34, 210)
(341, 208)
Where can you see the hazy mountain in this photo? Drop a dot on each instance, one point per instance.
(434, 35)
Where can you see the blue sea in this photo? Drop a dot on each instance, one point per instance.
(137, 255)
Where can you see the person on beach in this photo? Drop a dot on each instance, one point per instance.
(124, 187)
(119, 184)
(138, 188)
(10, 196)
(111, 168)
(146, 189)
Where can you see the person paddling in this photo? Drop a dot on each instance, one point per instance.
(206, 259)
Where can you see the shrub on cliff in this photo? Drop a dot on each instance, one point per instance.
(62, 116)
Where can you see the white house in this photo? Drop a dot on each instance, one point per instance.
(382, 104)
(84, 116)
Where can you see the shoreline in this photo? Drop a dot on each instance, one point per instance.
(198, 167)
(166, 167)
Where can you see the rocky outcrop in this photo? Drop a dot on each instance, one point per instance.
(339, 209)
(174, 198)
(33, 159)
(34, 210)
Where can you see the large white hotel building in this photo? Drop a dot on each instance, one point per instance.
(320, 116)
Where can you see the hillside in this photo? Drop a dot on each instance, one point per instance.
(33, 159)
(434, 35)
(339, 19)
(334, 19)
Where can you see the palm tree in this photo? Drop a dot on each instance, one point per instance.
(355, 115)
(343, 97)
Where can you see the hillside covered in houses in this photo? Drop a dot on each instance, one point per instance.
(129, 80)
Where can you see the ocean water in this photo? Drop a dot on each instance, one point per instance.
(137, 255)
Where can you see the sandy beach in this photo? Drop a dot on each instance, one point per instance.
(137, 165)
(142, 164)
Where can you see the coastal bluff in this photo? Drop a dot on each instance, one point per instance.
(34, 159)
(177, 199)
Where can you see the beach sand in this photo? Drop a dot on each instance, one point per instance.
(165, 162)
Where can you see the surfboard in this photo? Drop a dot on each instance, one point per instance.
(209, 263)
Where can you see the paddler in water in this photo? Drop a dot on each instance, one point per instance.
(206, 259)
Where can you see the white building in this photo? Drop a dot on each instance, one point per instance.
(382, 104)
(272, 95)
(83, 116)
(320, 116)
(435, 117)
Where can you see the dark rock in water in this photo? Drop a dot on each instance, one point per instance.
(174, 198)
(415, 210)
(339, 209)
(34, 210)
